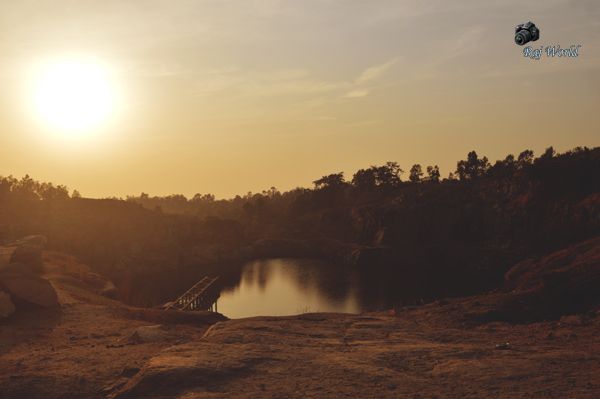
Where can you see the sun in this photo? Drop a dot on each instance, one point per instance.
(73, 96)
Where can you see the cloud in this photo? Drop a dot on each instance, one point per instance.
(360, 87)
(356, 93)
(375, 71)
(286, 82)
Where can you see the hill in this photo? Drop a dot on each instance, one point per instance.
(444, 237)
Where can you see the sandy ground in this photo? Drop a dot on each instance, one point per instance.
(85, 350)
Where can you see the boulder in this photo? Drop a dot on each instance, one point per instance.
(5, 255)
(109, 290)
(28, 255)
(144, 334)
(21, 268)
(29, 288)
(6, 306)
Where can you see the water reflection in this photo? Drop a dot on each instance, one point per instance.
(277, 287)
(289, 286)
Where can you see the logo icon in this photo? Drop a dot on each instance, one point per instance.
(525, 33)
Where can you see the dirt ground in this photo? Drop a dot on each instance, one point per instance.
(85, 349)
(79, 350)
(407, 355)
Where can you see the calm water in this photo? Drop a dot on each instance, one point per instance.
(276, 287)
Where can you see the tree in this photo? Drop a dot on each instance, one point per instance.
(27, 188)
(385, 176)
(548, 154)
(330, 181)
(273, 192)
(49, 192)
(433, 173)
(388, 175)
(503, 168)
(525, 158)
(472, 167)
(365, 179)
(6, 186)
(416, 172)
(76, 194)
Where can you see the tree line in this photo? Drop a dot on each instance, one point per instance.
(383, 180)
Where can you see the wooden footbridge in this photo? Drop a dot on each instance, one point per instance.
(202, 296)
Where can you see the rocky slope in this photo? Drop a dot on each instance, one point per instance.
(88, 345)
(564, 282)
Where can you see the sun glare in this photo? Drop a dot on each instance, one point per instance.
(73, 96)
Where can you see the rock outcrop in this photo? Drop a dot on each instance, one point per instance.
(67, 265)
(407, 355)
(29, 288)
(561, 283)
(20, 272)
(24, 254)
(144, 334)
(576, 268)
(28, 252)
(5, 255)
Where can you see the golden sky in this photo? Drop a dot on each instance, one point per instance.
(227, 97)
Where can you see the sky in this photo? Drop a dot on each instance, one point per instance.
(226, 97)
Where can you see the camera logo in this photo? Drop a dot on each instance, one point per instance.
(525, 33)
(528, 32)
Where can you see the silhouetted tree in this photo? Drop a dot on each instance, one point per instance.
(388, 175)
(473, 167)
(198, 198)
(433, 173)
(416, 172)
(273, 192)
(548, 154)
(26, 189)
(333, 180)
(47, 191)
(525, 158)
(365, 179)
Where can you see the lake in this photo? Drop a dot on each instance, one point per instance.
(277, 287)
(287, 286)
